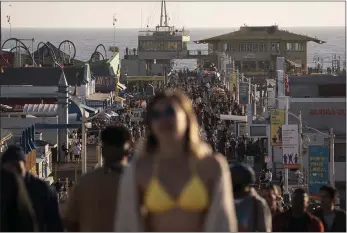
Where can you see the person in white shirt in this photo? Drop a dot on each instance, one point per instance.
(268, 176)
(76, 151)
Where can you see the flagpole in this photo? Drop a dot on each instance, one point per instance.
(114, 29)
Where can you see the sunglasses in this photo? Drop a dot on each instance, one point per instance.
(168, 112)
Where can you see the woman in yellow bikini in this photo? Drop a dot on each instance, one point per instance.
(176, 183)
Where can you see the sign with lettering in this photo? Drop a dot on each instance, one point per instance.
(243, 93)
(318, 168)
(276, 122)
(242, 129)
(290, 146)
(339, 112)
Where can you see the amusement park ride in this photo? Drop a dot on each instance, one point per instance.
(46, 54)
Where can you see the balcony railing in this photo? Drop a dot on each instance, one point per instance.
(200, 52)
(163, 33)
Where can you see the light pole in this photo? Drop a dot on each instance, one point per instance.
(331, 137)
(9, 21)
(114, 29)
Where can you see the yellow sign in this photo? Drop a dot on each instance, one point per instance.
(233, 82)
(276, 121)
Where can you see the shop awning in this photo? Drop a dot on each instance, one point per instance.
(87, 108)
(233, 118)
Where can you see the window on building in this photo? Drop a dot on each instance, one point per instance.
(275, 47)
(242, 48)
(172, 46)
(185, 45)
(296, 46)
(332, 90)
(289, 46)
(263, 65)
(262, 47)
(340, 152)
(255, 47)
(249, 66)
(249, 48)
(179, 46)
(301, 47)
(229, 47)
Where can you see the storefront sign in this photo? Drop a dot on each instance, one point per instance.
(290, 146)
(328, 112)
(242, 129)
(318, 168)
(276, 121)
(244, 93)
(106, 81)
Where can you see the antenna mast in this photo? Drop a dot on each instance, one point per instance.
(161, 13)
(165, 22)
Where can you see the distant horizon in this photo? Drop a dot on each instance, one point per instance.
(173, 26)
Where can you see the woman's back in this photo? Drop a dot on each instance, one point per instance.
(16, 211)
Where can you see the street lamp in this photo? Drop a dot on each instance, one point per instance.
(331, 137)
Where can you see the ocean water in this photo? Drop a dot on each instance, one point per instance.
(86, 40)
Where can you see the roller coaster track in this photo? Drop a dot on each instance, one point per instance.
(97, 52)
(50, 50)
(22, 45)
(61, 54)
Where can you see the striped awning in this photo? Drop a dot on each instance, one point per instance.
(121, 87)
(40, 108)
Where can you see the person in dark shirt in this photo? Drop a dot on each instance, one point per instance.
(297, 219)
(17, 214)
(43, 198)
(334, 220)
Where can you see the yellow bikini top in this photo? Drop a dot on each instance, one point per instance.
(193, 197)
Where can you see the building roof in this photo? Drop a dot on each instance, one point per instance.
(40, 108)
(260, 33)
(41, 76)
(5, 134)
(98, 97)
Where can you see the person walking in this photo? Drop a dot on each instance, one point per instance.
(333, 220)
(91, 205)
(176, 183)
(17, 214)
(253, 213)
(297, 218)
(43, 198)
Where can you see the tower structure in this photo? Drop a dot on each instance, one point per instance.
(63, 114)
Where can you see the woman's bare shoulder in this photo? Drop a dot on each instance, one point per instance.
(214, 164)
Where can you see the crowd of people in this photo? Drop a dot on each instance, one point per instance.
(169, 172)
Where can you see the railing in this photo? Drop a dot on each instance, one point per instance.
(163, 33)
(200, 52)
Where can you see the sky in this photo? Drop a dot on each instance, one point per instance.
(181, 14)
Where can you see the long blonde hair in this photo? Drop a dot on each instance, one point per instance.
(193, 143)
